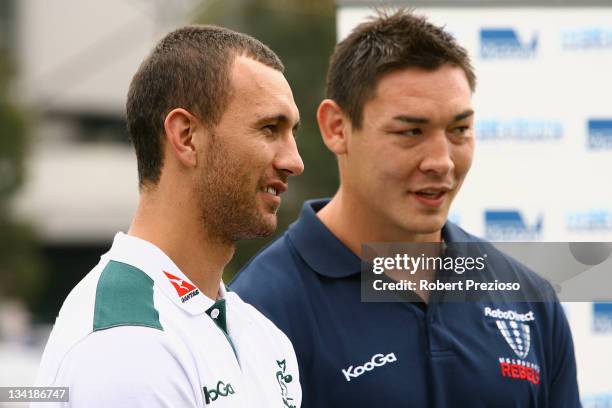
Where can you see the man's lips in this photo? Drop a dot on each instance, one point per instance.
(271, 192)
(432, 197)
(275, 188)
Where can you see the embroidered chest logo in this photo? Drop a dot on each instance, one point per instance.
(378, 360)
(514, 328)
(284, 379)
(221, 390)
(183, 288)
(517, 336)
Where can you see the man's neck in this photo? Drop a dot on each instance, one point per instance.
(353, 225)
(181, 237)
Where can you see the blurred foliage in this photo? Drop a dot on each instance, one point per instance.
(20, 269)
(302, 33)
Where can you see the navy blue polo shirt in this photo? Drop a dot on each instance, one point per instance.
(354, 354)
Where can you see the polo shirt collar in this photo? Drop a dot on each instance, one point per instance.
(161, 269)
(319, 248)
(326, 254)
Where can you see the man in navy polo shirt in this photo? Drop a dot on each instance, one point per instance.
(399, 119)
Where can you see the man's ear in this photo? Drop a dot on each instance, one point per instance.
(334, 126)
(180, 127)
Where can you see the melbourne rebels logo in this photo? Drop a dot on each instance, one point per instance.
(514, 328)
(517, 336)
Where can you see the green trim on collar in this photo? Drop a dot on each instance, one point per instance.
(218, 313)
(124, 297)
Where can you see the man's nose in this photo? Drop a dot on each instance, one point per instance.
(437, 155)
(288, 158)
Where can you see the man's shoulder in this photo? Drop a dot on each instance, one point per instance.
(134, 362)
(124, 297)
(275, 266)
(503, 265)
(111, 295)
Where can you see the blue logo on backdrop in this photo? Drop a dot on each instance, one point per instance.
(505, 43)
(600, 134)
(509, 225)
(602, 317)
(596, 220)
(586, 38)
(519, 130)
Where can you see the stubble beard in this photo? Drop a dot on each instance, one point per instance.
(228, 203)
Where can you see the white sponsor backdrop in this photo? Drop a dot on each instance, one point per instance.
(544, 141)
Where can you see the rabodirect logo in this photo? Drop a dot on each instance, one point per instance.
(602, 317)
(599, 134)
(588, 38)
(504, 43)
(509, 225)
(511, 315)
(595, 220)
(519, 130)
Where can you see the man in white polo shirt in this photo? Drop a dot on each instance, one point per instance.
(212, 120)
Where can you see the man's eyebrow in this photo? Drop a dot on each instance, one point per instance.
(280, 118)
(463, 115)
(423, 120)
(411, 119)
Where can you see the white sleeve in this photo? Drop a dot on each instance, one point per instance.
(128, 366)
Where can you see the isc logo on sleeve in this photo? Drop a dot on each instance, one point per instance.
(378, 360)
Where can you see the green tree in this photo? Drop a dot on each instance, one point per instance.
(302, 33)
(20, 272)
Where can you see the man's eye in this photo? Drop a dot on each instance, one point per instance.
(411, 132)
(269, 129)
(460, 130)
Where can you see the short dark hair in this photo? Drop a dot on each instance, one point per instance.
(388, 42)
(189, 68)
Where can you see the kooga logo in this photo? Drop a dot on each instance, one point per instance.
(378, 360)
(505, 43)
(510, 226)
(600, 134)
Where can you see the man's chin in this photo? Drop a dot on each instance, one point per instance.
(263, 226)
(270, 222)
(429, 224)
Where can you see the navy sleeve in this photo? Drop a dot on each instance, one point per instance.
(564, 385)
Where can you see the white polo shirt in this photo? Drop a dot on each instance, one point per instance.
(135, 332)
